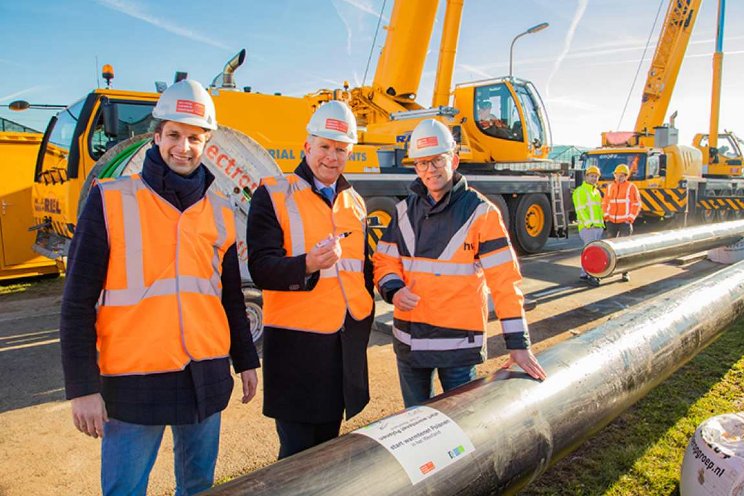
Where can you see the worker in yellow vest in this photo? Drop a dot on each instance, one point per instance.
(587, 201)
(153, 287)
(444, 245)
(307, 250)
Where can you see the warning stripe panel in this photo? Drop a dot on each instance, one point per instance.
(722, 204)
(663, 201)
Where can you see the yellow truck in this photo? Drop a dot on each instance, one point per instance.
(505, 158)
(18, 153)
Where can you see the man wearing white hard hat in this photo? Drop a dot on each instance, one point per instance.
(153, 287)
(307, 251)
(445, 244)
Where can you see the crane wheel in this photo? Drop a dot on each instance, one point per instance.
(380, 211)
(530, 222)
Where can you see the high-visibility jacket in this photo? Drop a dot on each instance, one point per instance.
(621, 202)
(587, 202)
(305, 220)
(161, 304)
(448, 253)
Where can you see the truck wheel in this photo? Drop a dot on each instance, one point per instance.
(383, 208)
(708, 216)
(254, 312)
(724, 215)
(530, 222)
(500, 203)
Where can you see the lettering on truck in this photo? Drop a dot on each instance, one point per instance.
(289, 154)
(47, 205)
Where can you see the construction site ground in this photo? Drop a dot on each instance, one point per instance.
(42, 453)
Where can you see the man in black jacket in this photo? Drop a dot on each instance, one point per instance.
(307, 250)
(153, 281)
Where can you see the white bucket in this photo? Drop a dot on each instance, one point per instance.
(730, 254)
(714, 459)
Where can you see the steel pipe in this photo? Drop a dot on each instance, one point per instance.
(605, 257)
(519, 426)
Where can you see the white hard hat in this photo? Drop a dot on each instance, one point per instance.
(186, 102)
(430, 137)
(335, 121)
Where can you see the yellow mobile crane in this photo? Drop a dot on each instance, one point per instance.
(673, 179)
(724, 159)
(506, 160)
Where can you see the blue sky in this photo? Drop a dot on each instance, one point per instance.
(583, 65)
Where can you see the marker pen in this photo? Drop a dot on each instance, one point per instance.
(325, 241)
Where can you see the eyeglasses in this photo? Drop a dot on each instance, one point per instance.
(423, 165)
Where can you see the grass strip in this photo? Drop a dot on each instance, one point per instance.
(641, 451)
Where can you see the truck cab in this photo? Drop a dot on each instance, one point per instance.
(73, 141)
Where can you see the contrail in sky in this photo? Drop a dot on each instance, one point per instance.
(567, 42)
(136, 12)
(362, 6)
(22, 92)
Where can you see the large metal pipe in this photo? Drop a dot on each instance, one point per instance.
(517, 425)
(605, 257)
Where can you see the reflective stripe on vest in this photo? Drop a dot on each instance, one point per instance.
(306, 219)
(161, 304)
(439, 344)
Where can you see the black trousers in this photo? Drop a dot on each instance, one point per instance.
(299, 436)
(619, 230)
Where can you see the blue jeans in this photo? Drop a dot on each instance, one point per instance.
(128, 452)
(417, 384)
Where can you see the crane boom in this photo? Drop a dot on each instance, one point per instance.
(447, 51)
(401, 62)
(662, 76)
(715, 99)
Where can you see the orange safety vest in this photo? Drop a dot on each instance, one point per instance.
(453, 286)
(305, 220)
(161, 304)
(621, 202)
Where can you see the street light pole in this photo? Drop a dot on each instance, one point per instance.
(21, 105)
(533, 29)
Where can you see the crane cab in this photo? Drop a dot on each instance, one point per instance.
(725, 161)
(505, 120)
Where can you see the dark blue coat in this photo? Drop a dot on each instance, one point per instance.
(308, 377)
